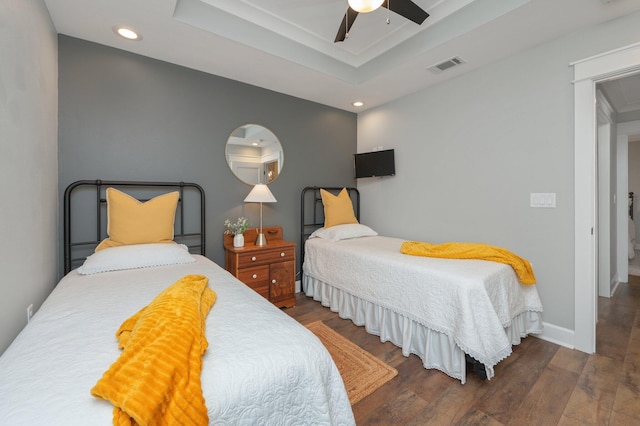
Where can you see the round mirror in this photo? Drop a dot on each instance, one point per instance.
(254, 154)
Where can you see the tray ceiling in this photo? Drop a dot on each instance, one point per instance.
(287, 45)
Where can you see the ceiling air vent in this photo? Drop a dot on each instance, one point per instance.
(443, 66)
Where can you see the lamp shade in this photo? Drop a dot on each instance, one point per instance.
(364, 6)
(260, 194)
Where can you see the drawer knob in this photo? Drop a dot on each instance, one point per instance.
(255, 276)
(282, 254)
(273, 281)
(253, 258)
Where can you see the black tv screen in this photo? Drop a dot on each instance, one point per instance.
(374, 164)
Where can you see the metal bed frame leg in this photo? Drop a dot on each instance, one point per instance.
(477, 367)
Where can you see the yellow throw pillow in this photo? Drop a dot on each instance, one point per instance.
(130, 221)
(338, 210)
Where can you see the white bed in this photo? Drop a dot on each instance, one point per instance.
(438, 309)
(260, 367)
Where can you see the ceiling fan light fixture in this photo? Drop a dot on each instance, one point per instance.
(364, 6)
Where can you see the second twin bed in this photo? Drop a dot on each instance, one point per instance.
(439, 309)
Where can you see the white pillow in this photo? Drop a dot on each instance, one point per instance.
(135, 256)
(343, 232)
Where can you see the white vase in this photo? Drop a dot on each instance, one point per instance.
(238, 240)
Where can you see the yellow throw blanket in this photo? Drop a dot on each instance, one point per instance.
(156, 379)
(521, 266)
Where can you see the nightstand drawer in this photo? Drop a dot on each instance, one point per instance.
(256, 278)
(254, 275)
(267, 256)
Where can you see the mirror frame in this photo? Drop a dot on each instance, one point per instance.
(252, 137)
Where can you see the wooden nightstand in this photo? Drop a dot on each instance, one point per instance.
(270, 270)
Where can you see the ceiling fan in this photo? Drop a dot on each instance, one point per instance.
(405, 8)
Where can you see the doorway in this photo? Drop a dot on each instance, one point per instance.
(631, 137)
(618, 63)
(617, 116)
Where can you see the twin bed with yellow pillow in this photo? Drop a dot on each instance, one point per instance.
(147, 332)
(441, 302)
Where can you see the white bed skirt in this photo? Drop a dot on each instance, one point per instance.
(436, 350)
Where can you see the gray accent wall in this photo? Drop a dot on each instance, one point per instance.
(471, 150)
(129, 117)
(28, 161)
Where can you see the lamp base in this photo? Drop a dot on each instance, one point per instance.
(261, 240)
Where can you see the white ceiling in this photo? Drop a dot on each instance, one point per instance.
(623, 93)
(287, 45)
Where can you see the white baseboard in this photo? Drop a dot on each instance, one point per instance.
(613, 285)
(298, 286)
(558, 335)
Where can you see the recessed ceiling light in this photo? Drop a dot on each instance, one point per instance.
(358, 104)
(127, 33)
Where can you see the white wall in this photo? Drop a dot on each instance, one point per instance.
(28, 161)
(470, 151)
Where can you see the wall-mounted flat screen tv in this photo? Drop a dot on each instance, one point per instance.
(375, 164)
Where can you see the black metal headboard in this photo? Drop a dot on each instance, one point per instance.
(93, 205)
(312, 211)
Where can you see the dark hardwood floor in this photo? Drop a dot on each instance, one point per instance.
(539, 384)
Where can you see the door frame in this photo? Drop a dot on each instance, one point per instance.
(587, 72)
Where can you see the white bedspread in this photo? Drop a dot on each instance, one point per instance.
(261, 367)
(470, 301)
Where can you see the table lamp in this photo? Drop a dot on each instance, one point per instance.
(260, 194)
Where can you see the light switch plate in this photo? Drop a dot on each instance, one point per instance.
(543, 199)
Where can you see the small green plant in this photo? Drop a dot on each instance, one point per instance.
(239, 227)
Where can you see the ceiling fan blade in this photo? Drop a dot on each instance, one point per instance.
(349, 17)
(408, 9)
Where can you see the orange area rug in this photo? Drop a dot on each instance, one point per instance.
(361, 372)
